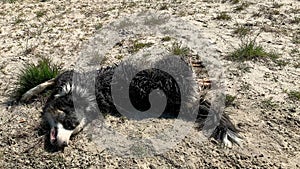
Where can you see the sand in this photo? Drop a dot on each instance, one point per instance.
(268, 117)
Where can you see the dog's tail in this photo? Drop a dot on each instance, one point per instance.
(36, 90)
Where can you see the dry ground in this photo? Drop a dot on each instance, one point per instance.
(268, 117)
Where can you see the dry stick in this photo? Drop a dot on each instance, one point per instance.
(201, 82)
(36, 90)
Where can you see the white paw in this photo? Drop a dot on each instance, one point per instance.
(231, 138)
(226, 142)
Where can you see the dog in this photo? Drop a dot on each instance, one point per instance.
(66, 117)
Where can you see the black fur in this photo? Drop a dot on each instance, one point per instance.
(140, 87)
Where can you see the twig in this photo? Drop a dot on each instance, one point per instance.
(36, 90)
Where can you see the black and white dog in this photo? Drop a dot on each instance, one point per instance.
(66, 117)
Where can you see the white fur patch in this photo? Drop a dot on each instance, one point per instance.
(234, 137)
(66, 89)
(63, 135)
(80, 93)
(80, 126)
(78, 90)
(226, 142)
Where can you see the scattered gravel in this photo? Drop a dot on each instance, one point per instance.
(268, 118)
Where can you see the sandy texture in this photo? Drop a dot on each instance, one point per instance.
(268, 117)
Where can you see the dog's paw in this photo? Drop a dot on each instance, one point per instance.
(230, 138)
(227, 137)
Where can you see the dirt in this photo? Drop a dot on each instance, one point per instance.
(263, 109)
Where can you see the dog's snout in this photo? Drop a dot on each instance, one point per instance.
(63, 136)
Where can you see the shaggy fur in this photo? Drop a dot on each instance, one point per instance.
(59, 110)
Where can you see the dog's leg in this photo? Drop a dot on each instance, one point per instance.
(80, 126)
(226, 132)
(231, 131)
(36, 90)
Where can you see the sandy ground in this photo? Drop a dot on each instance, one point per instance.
(268, 117)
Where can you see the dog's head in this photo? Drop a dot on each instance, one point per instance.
(64, 117)
(63, 124)
(59, 136)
